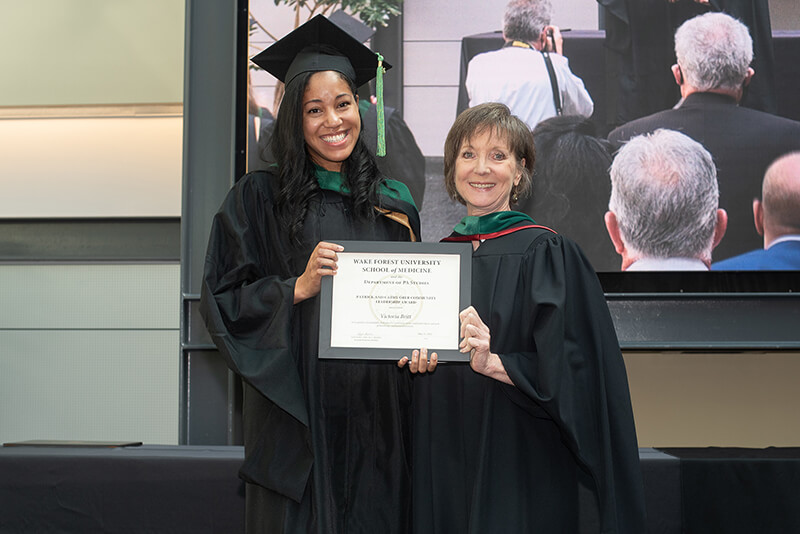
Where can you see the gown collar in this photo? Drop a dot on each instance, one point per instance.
(397, 191)
(473, 228)
(333, 181)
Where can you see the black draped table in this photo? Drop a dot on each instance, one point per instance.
(739, 491)
(152, 489)
(195, 489)
(586, 53)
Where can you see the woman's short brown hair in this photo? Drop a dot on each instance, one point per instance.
(498, 120)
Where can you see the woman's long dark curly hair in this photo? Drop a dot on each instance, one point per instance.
(297, 180)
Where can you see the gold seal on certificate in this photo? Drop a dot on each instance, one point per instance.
(388, 298)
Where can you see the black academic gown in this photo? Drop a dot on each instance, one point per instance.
(326, 442)
(490, 457)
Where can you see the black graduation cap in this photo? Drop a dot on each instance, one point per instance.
(357, 29)
(285, 59)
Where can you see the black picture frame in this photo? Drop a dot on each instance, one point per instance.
(462, 250)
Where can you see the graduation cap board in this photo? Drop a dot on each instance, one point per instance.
(299, 52)
(292, 55)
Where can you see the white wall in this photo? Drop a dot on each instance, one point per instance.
(91, 167)
(698, 399)
(88, 52)
(90, 126)
(784, 14)
(89, 352)
(90, 119)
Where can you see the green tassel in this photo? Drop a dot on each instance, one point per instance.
(381, 151)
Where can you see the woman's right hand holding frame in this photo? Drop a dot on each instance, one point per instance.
(322, 262)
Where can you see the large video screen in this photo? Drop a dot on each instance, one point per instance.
(571, 191)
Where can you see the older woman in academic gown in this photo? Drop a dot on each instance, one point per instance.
(504, 443)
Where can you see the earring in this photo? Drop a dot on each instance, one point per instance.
(514, 195)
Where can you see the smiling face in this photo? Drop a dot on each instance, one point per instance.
(331, 122)
(485, 172)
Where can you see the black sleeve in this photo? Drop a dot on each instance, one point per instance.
(578, 376)
(247, 296)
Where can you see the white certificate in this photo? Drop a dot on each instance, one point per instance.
(389, 298)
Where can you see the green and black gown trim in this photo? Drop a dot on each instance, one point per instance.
(492, 225)
(390, 189)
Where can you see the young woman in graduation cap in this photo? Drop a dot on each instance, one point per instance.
(326, 441)
(503, 444)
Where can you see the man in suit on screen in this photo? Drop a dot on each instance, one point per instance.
(714, 52)
(663, 213)
(777, 217)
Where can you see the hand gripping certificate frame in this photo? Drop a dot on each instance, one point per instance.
(388, 298)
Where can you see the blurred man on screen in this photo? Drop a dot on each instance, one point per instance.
(714, 53)
(530, 73)
(777, 217)
(663, 213)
